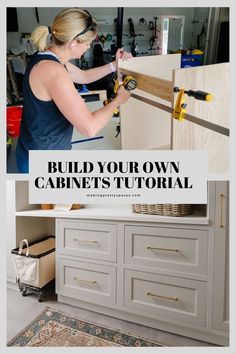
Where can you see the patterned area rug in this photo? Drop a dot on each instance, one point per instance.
(55, 329)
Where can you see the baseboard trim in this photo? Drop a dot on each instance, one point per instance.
(12, 286)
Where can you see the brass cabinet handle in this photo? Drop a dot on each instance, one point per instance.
(162, 297)
(162, 249)
(221, 210)
(85, 281)
(87, 241)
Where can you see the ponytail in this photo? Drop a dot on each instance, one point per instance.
(39, 37)
(66, 26)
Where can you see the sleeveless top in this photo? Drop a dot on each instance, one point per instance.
(43, 126)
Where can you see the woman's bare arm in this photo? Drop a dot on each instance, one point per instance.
(87, 76)
(62, 91)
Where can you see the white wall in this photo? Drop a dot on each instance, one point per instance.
(105, 16)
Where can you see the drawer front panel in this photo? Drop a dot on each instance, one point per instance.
(172, 297)
(86, 282)
(179, 249)
(89, 240)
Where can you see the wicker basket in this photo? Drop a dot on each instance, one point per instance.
(163, 209)
(46, 206)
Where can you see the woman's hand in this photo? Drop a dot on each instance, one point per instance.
(121, 54)
(122, 95)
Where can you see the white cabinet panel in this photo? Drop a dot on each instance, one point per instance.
(190, 136)
(144, 126)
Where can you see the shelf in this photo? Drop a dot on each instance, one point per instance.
(115, 214)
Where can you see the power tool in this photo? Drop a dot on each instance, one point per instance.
(129, 84)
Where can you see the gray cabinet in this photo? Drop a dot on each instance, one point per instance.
(170, 248)
(167, 273)
(80, 280)
(88, 240)
(171, 297)
(221, 263)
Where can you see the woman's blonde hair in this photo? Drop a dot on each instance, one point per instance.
(66, 26)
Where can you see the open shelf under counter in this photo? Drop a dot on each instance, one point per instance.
(116, 214)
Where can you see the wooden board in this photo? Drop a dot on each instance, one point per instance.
(153, 85)
(144, 126)
(187, 135)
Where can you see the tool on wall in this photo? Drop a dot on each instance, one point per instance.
(109, 37)
(151, 25)
(154, 37)
(133, 35)
(102, 39)
(142, 21)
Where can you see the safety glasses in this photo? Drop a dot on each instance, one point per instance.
(91, 25)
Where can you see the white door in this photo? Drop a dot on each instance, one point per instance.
(174, 34)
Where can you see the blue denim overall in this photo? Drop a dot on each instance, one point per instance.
(43, 126)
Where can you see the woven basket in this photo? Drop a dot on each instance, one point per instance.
(46, 206)
(163, 209)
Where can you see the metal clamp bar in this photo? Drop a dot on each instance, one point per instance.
(162, 297)
(209, 125)
(212, 126)
(93, 282)
(221, 210)
(153, 103)
(162, 249)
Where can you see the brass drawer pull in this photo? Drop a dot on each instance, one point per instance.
(87, 241)
(93, 282)
(162, 297)
(162, 249)
(221, 211)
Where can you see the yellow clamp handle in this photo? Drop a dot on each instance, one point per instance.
(180, 105)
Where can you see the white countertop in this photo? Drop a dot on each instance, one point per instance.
(115, 214)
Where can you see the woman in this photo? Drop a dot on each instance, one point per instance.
(52, 105)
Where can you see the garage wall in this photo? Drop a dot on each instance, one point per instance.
(105, 16)
(200, 27)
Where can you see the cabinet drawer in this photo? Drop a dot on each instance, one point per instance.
(90, 240)
(88, 282)
(172, 297)
(182, 250)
